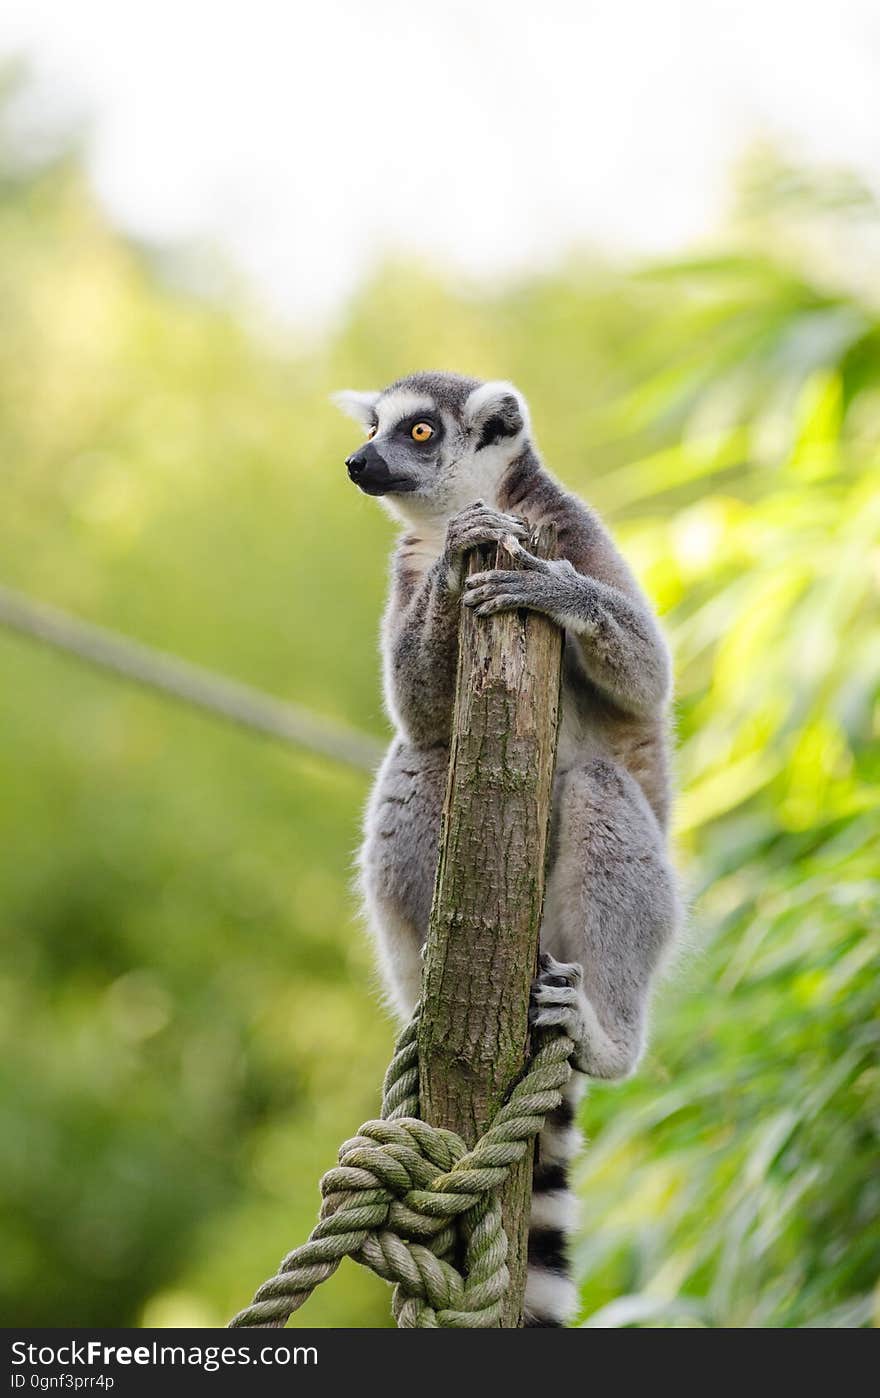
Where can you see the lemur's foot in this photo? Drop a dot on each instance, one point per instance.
(558, 1001)
(556, 997)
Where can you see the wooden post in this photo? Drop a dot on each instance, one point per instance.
(483, 936)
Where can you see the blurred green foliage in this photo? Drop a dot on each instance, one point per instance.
(189, 1026)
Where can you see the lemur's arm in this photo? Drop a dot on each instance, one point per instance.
(623, 651)
(421, 628)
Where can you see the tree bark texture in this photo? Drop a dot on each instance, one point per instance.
(483, 936)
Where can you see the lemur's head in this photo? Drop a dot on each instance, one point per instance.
(436, 442)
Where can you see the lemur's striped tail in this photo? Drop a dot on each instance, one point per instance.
(551, 1296)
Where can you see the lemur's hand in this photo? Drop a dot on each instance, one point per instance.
(480, 524)
(541, 585)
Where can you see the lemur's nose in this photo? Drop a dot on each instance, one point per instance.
(356, 463)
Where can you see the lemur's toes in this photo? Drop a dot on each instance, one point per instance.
(555, 994)
(553, 972)
(563, 1017)
(556, 997)
(547, 995)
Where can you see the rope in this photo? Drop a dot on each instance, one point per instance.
(406, 1198)
(192, 684)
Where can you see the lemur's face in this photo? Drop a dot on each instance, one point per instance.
(435, 442)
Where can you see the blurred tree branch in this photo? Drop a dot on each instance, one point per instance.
(191, 684)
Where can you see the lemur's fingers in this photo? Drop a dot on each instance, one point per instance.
(500, 589)
(483, 517)
(515, 523)
(527, 560)
(482, 593)
(494, 578)
(476, 534)
(505, 523)
(500, 603)
(528, 589)
(481, 505)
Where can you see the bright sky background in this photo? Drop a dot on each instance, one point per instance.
(309, 137)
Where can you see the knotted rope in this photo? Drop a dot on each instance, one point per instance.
(406, 1198)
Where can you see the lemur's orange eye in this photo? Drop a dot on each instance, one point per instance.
(371, 434)
(421, 432)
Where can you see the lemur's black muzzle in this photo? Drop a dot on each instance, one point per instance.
(370, 473)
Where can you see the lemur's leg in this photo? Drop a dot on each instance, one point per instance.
(611, 908)
(623, 650)
(398, 861)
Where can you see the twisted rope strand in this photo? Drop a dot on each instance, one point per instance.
(405, 1196)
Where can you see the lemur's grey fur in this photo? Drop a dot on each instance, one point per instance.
(611, 905)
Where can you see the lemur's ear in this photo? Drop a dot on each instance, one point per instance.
(360, 406)
(496, 410)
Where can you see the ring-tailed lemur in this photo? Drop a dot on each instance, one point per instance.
(454, 460)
